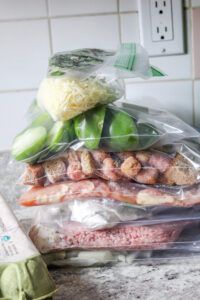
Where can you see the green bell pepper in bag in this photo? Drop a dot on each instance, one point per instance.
(148, 134)
(89, 125)
(120, 131)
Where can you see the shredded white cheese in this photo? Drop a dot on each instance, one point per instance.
(65, 98)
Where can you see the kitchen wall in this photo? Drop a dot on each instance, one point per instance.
(31, 30)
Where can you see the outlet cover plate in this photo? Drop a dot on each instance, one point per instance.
(152, 27)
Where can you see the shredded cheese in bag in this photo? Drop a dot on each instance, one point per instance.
(65, 98)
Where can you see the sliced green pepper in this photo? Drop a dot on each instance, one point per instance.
(120, 131)
(148, 135)
(89, 125)
(61, 134)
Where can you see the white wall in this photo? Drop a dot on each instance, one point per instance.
(31, 30)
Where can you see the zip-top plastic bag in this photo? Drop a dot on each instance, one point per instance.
(186, 248)
(130, 60)
(111, 128)
(150, 167)
(111, 226)
(49, 237)
(80, 79)
(102, 213)
(99, 258)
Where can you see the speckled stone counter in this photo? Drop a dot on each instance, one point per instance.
(130, 282)
(175, 281)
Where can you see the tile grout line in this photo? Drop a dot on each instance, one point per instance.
(192, 65)
(128, 12)
(192, 44)
(65, 16)
(119, 22)
(120, 36)
(49, 28)
(85, 15)
(158, 81)
(22, 19)
(126, 83)
(193, 105)
(18, 90)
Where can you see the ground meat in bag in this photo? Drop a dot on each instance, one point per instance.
(124, 237)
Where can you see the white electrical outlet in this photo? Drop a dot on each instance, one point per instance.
(161, 26)
(161, 20)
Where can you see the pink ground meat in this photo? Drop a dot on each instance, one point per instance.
(126, 237)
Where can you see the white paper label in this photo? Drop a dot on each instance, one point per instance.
(14, 244)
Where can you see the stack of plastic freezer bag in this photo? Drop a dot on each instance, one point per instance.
(117, 180)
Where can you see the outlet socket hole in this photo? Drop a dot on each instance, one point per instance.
(162, 37)
(160, 12)
(164, 3)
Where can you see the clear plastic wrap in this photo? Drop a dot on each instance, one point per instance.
(122, 237)
(113, 128)
(130, 60)
(128, 192)
(185, 248)
(97, 214)
(108, 230)
(64, 235)
(80, 79)
(146, 167)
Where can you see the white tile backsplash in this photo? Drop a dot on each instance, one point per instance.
(128, 5)
(197, 103)
(175, 67)
(129, 28)
(195, 3)
(12, 115)
(24, 51)
(12, 9)
(75, 32)
(25, 40)
(76, 7)
(174, 96)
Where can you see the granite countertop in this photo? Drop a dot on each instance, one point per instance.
(130, 282)
(176, 280)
